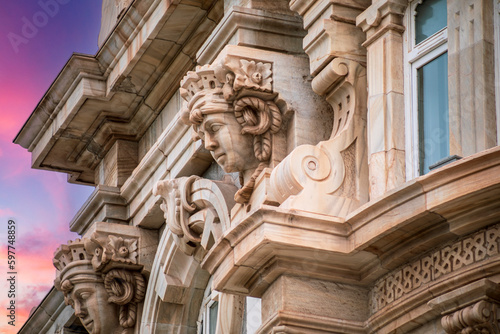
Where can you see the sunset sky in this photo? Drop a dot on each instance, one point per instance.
(37, 38)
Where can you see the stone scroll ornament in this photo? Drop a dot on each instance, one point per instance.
(196, 210)
(231, 106)
(102, 281)
(331, 177)
(480, 318)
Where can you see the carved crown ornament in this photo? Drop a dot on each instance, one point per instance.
(197, 211)
(101, 280)
(232, 108)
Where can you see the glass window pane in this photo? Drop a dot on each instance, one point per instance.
(433, 112)
(253, 315)
(213, 317)
(429, 19)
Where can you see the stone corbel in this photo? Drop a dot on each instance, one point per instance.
(197, 211)
(101, 276)
(472, 308)
(478, 318)
(332, 177)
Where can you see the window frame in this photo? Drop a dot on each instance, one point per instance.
(416, 56)
(210, 297)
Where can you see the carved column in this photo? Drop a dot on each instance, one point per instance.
(383, 25)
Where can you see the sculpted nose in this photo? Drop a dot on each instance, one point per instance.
(79, 310)
(210, 142)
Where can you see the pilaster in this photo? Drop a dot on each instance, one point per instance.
(383, 24)
(471, 77)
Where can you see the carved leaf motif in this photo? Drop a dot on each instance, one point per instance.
(253, 75)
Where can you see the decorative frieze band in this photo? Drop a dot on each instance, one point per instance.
(468, 250)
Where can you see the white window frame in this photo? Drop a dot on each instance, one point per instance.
(209, 298)
(415, 57)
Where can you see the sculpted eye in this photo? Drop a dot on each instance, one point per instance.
(85, 295)
(215, 127)
(201, 134)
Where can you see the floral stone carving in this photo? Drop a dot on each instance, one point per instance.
(232, 108)
(100, 278)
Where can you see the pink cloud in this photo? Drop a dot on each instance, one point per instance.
(34, 275)
(6, 213)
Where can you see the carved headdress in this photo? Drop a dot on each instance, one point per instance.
(239, 86)
(104, 259)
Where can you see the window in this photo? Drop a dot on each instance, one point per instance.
(426, 86)
(248, 316)
(252, 318)
(207, 321)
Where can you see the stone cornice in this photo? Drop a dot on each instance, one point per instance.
(78, 66)
(174, 154)
(287, 27)
(104, 204)
(43, 317)
(119, 92)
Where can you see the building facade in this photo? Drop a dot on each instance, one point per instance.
(304, 166)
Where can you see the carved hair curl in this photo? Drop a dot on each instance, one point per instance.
(260, 119)
(126, 289)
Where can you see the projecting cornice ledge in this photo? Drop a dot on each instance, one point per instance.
(116, 95)
(78, 66)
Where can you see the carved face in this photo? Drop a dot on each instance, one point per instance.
(90, 302)
(222, 136)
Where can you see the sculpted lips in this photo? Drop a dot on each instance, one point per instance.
(217, 156)
(88, 324)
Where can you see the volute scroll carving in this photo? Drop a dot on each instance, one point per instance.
(197, 210)
(332, 177)
(101, 279)
(480, 318)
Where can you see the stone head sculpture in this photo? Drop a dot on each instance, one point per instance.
(231, 108)
(101, 280)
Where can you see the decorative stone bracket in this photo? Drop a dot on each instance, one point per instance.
(480, 318)
(197, 210)
(331, 177)
(100, 276)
